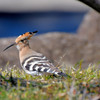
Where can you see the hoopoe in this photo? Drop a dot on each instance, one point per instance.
(32, 62)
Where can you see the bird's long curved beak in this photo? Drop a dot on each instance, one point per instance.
(9, 46)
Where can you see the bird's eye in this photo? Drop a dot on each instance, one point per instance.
(22, 40)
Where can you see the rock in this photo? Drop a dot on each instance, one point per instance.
(62, 47)
(58, 47)
(90, 31)
(90, 28)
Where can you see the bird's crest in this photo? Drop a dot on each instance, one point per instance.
(26, 35)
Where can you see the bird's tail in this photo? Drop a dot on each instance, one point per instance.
(63, 74)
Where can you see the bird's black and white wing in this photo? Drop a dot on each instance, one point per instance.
(38, 64)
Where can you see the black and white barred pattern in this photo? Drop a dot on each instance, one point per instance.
(39, 64)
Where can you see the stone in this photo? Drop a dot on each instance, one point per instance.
(62, 48)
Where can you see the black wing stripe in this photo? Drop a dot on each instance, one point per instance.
(45, 70)
(39, 69)
(27, 66)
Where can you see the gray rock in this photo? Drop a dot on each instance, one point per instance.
(90, 31)
(58, 47)
(62, 47)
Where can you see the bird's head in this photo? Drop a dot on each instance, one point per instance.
(22, 40)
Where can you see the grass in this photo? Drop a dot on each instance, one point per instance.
(84, 84)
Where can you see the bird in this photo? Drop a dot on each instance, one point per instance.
(32, 62)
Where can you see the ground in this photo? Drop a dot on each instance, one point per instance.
(15, 84)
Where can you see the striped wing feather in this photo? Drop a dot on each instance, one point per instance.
(39, 64)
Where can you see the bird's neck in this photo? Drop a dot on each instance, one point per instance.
(25, 52)
(22, 47)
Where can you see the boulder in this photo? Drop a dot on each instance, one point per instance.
(90, 31)
(62, 47)
(58, 47)
(90, 27)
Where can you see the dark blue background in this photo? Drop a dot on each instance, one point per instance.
(14, 24)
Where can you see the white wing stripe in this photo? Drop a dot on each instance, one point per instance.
(27, 61)
(31, 66)
(56, 73)
(43, 69)
(37, 68)
(48, 69)
(53, 71)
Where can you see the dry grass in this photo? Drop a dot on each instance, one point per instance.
(84, 85)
